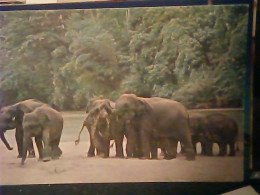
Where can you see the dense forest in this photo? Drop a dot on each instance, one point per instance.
(196, 55)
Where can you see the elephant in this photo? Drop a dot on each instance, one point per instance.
(45, 124)
(103, 125)
(155, 118)
(12, 116)
(197, 127)
(222, 130)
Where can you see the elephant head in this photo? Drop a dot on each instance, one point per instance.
(131, 109)
(99, 114)
(8, 116)
(11, 117)
(45, 124)
(129, 106)
(8, 120)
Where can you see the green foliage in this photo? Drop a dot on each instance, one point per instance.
(196, 55)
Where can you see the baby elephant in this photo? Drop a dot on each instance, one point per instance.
(45, 124)
(222, 130)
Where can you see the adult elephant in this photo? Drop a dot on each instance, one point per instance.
(222, 130)
(45, 124)
(11, 117)
(103, 125)
(156, 118)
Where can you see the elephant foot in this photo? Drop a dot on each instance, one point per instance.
(144, 158)
(31, 155)
(209, 154)
(119, 156)
(104, 156)
(91, 155)
(221, 154)
(55, 157)
(189, 157)
(169, 157)
(46, 159)
(129, 157)
(56, 153)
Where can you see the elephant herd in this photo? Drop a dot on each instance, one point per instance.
(147, 124)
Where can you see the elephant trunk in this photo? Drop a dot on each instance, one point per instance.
(5, 141)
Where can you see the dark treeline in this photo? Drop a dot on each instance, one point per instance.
(195, 55)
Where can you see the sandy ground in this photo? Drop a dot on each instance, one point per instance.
(75, 167)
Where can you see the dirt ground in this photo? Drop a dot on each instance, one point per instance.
(75, 167)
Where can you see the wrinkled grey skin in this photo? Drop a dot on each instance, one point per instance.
(222, 130)
(155, 118)
(103, 125)
(11, 117)
(45, 124)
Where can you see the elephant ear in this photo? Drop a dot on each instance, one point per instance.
(12, 110)
(23, 108)
(42, 117)
(107, 106)
(143, 107)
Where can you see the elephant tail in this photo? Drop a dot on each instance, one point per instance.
(77, 141)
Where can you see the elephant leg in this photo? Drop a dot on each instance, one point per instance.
(119, 147)
(189, 150)
(232, 151)
(182, 151)
(222, 148)
(19, 141)
(46, 149)
(56, 151)
(130, 148)
(132, 143)
(203, 148)
(171, 149)
(106, 148)
(38, 140)
(30, 149)
(194, 142)
(163, 151)
(26, 139)
(208, 148)
(145, 143)
(154, 148)
(154, 152)
(91, 150)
